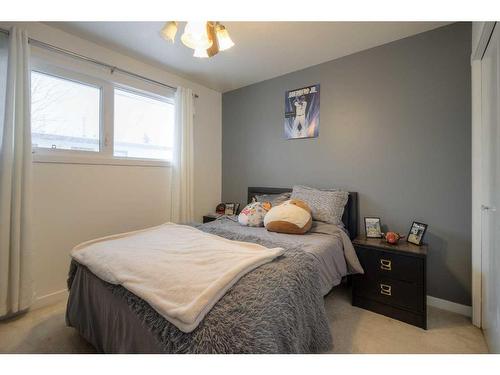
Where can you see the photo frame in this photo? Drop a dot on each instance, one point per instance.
(229, 209)
(236, 208)
(373, 227)
(416, 233)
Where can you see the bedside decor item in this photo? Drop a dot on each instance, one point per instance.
(253, 214)
(372, 227)
(392, 237)
(229, 209)
(302, 112)
(394, 282)
(221, 208)
(292, 217)
(416, 234)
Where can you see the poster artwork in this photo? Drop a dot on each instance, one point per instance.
(302, 113)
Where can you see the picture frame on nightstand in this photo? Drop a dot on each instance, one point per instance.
(373, 228)
(229, 209)
(416, 233)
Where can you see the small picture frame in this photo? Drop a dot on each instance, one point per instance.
(373, 227)
(416, 234)
(229, 209)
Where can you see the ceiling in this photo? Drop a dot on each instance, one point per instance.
(263, 50)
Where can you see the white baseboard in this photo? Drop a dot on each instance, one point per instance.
(61, 295)
(449, 306)
(49, 299)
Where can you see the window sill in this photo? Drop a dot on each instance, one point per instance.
(98, 160)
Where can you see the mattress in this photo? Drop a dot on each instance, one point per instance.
(324, 243)
(277, 308)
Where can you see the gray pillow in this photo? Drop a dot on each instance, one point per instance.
(326, 205)
(274, 199)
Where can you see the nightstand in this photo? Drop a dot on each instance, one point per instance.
(210, 217)
(394, 282)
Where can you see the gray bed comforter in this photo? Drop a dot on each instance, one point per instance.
(277, 308)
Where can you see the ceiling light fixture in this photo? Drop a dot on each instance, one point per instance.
(201, 53)
(223, 38)
(196, 36)
(205, 38)
(169, 30)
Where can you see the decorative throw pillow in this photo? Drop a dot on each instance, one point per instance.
(274, 199)
(253, 214)
(293, 217)
(326, 205)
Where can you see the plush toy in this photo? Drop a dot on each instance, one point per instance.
(293, 217)
(253, 214)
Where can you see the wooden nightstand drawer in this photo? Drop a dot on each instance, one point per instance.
(396, 293)
(377, 263)
(394, 280)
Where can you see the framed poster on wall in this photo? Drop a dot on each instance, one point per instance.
(302, 112)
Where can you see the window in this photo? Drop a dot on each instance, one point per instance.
(143, 126)
(88, 116)
(64, 114)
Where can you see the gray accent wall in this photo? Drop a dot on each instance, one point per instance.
(395, 127)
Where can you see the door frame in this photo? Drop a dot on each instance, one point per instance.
(485, 30)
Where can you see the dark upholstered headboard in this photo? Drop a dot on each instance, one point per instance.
(350, 217)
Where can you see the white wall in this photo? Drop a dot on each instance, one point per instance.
(477, 30)
(74, 203)
(480, 35)
(476, 184)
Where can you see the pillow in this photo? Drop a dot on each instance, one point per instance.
(253, 214)
(293, 217)
(326, 205)
(274, 199)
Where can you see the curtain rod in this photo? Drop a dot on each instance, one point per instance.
(112, 68)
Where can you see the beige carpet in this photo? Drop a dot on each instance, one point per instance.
(354, 331)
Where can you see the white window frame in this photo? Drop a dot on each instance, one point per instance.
(143, 93)
(95, 76)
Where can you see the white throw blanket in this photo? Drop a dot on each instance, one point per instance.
(179, 270)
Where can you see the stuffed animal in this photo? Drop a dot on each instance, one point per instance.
(293, 217)
(253, 214)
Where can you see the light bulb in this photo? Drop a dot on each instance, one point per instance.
(169, 30)
(195, 36)
(201, 53)
(223, 38)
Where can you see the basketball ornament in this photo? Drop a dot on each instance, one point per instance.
(392, 237)
(221, 208)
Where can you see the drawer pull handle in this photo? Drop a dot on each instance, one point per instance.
(386, 289)
(385, 264)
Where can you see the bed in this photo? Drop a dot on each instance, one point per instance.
(276, 308)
